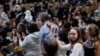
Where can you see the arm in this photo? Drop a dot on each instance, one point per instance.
(41, 36)
(24, 43)
(63, 47)
(97, 46)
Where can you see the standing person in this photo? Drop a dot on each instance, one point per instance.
(45, 31)
(55, 30)
(54, 25)
(31, 43)
(63, 34)
(28, 17)
(3, 15)
(75, 46)
(92, 45)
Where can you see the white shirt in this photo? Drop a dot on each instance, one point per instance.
(4, 16)
(28, 16)
(31, 44)
(77, 49)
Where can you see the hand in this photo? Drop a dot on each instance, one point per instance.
(23, 35)
(19, 36)
(15, 40)
(14, 31)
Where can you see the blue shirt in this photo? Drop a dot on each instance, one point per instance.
(44, 33)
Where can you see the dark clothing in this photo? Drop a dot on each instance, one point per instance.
(51, 12)
(31, 1)
(89, 49)
(6, 7)
(63, 37)
(7, 28)
(1, 1)
(14, 2)
(74, 23)
(6, 1)
(98, 24)
(63, 13)
(98, 1)
(60, 13)
(4, 42)
(59, 0)
(12, 15)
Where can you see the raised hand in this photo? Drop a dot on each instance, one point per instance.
(19, 36)
(23, 35)
(15, 39)
(14, 32)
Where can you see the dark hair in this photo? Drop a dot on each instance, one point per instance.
(50, 46)
(54, 18)
(3, 33)
(83, 13)
(32, 27)
(22, 28)
(67, 26)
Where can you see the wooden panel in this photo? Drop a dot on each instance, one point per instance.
(9, 34)
(11, 22)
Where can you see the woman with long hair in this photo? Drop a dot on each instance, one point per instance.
(92, 45)
(75, 46)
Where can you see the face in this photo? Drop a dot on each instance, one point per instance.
(56, 20)
(73, 35)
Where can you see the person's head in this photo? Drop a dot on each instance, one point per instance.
(31, 27)
(93, 30)
(65, 27)
(27, 12)
(44, 16)
(75, 35)
(50, 47)
(21, 26)
(55, 19)
(83, 14)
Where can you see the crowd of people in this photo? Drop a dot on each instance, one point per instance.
(50, 28)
